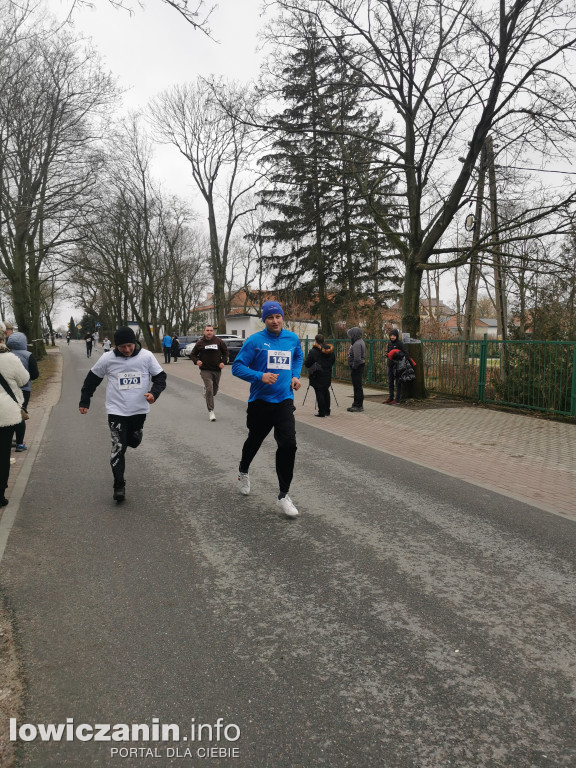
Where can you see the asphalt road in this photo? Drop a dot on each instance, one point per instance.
(405, 620)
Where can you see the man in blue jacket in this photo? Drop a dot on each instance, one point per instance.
(271, 361)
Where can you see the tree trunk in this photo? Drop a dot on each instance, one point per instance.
(218, 274)
(474, 275)
(411, 301)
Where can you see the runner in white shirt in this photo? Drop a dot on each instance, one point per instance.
(128, 396)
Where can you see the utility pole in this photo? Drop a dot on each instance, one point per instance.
(474, 275)
(501, 313)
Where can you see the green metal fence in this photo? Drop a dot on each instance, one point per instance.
(536, 375)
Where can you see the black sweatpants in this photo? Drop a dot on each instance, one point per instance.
(261, 418)
(356, 375)
(322, 392)
(166, 354)
(125, 432)
(392, 380)
(6, 434)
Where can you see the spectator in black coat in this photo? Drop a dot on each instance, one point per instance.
(319, 362)
(175, 349)
(394, 343)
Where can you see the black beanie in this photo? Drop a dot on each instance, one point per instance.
(124, 335)
(394, 332)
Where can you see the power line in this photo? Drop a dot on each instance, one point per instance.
(538, 170)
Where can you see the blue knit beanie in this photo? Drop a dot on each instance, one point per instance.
(271, 308)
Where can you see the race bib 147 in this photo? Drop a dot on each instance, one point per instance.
(279, 361)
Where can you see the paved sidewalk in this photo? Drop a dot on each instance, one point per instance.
(529, 459)
(39, 409)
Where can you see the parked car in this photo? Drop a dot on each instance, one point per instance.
(184, 341)
(234, 344)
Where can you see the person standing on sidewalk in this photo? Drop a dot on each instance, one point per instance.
(129, 369)
(175, 349)
(13, 376)
(394, 343)
(271, 360)
(319, 362)
(210, 354)
(356, 362)
(18, 344)
(166, 347)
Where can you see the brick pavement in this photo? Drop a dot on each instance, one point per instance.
(530, 459)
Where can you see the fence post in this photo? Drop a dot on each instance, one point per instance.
(482, 366)
(370, 359)
(573, 390)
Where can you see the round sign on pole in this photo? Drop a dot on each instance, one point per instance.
(470, 222)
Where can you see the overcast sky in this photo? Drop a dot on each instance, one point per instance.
(155, 48)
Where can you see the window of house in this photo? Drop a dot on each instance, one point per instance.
(234, 333)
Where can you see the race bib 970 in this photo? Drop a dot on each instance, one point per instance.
(279, 361)
(129, 381)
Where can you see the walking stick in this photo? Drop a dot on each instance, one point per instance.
(306, 395)
(334, 395)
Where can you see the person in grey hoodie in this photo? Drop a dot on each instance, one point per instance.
(356, 361)
(18, 344)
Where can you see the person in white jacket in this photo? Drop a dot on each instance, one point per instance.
(15, 377)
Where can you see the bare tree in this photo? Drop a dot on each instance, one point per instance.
(218, 146)
(194, 13)
(49, 157)
(451, 73)
(139, 258)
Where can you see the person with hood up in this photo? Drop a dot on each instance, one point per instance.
(175, 349)
(18, 344)
(13, 376)
(356, 362)
(319, 362)
(128, 396)
(394, 343)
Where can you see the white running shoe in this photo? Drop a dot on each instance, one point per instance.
(211, 415)
(244, 483)
(287, 506)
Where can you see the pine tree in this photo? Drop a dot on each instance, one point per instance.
(326, 173)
